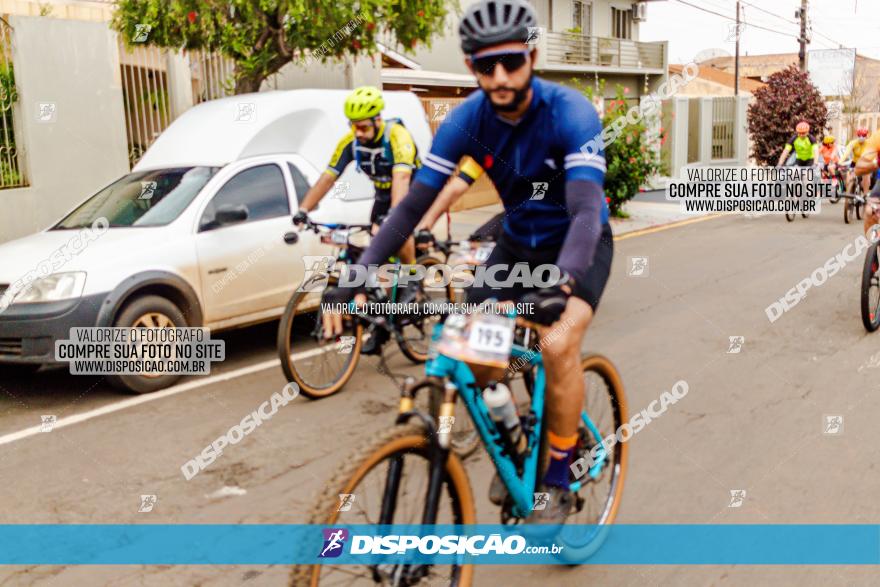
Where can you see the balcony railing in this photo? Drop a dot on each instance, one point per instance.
(576, 49)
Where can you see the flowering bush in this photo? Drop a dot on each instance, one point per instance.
(634, 156)
(788, 98)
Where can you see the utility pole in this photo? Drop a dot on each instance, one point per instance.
(736, 60)
(802, 54)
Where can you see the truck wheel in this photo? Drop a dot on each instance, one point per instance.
(148, 311)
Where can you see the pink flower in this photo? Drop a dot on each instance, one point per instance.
(626, 90)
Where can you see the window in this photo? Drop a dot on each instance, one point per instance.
(300, 183)
(259, 189)
(621, 23)
(581, 16)
(145, 198)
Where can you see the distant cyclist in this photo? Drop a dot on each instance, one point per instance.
(829, 156)
(527, 133)
(804, 145)
(383, 150)
(853, 153)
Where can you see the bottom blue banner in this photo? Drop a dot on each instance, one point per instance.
(766, 544)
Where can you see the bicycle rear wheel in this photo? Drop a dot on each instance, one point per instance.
(598, 500)
(319, 367)
(871, 290)
(402, 453)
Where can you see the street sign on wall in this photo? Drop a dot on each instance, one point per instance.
(832, 70)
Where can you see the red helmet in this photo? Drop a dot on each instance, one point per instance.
(803, 126)
(862, 132)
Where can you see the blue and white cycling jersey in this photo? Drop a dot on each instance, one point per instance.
(529, 161)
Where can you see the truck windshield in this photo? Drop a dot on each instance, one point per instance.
(145, 198)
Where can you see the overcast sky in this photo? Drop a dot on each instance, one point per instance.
(689, 30)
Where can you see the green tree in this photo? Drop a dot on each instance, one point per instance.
(262, 36)
(788, 98)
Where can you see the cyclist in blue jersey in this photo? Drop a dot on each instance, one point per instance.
(529, 136)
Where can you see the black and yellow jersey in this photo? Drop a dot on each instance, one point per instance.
(392, 150)
(469, 170)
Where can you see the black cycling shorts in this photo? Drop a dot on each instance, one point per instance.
(508, 252)
(381, 206)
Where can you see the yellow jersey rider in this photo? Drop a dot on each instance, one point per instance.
(805, 146)
(853, 153)
(382, 149)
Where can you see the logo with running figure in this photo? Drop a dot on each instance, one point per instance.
(539, 190)
(346, 500)
(737, 497)
(317, 273)
(736, 344)
(334, 540)
(340, 190)
(441, 109)
(832, 424)
(534, 35)
(638, 267)
(541, 500)
(446, 423)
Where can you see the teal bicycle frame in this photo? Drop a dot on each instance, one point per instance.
(520, 488)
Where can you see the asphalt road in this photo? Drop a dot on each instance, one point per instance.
(752, 420)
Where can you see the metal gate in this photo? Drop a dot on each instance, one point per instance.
(11, 173)
(145, 97)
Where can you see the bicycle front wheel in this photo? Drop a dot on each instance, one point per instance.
(391, 474)
(871, 290)
(598, 499)
(319, 367)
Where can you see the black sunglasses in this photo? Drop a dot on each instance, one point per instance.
(485, 64)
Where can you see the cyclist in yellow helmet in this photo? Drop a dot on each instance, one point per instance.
(829, 157)
(382, 149)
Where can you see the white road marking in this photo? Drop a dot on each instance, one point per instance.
(156, 395)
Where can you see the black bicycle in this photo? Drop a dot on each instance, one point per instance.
(321, 366)
(853, 203)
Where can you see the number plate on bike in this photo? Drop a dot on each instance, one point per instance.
(488, 337)
(485, 339)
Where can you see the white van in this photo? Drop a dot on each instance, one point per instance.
(194, 235)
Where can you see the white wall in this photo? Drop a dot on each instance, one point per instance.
(74, 64)
(331, 75)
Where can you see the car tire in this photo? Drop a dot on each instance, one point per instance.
(132, 315)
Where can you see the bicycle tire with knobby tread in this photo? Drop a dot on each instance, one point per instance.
(604, 368)
(870, 325)
(283, 347)
(409, 436)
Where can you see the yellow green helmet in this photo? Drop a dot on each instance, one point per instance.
(365, 102)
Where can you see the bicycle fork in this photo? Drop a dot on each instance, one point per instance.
(439, 454)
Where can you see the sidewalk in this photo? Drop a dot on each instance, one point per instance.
(646, 210)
